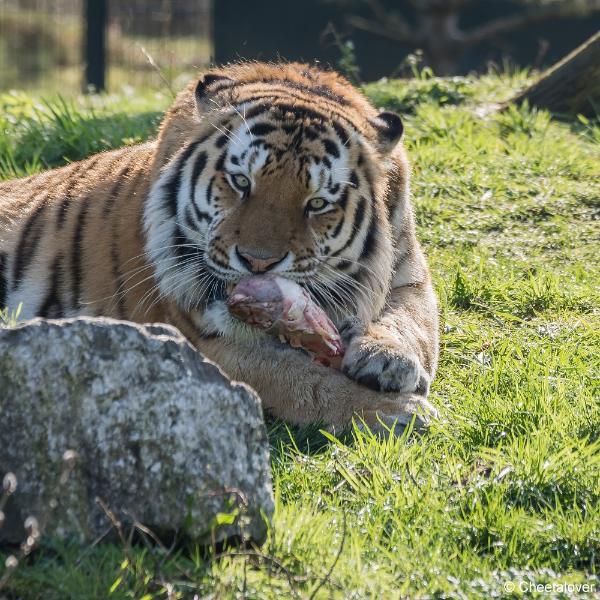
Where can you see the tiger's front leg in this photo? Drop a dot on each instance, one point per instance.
(398, 352)
(294, 388)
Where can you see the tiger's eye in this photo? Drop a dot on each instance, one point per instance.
(241, 182)
(317, 204)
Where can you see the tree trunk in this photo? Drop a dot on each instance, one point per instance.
(441, 40)
(571, 86)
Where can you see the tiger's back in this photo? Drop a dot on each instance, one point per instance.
(70, 238)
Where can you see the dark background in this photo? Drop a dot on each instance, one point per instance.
(269, 29)
(150, 42)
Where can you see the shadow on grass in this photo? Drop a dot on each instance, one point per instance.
(306, 439)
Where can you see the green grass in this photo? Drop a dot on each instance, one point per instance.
(505, 488)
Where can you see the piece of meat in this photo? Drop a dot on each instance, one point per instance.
(282, 308)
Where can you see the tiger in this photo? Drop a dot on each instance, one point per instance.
(282, 168)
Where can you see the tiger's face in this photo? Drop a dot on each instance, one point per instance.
(281, 199)
(273, 186)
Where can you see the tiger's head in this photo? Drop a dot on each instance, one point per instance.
(279, 168)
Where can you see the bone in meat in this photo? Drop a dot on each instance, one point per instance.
(282, 308)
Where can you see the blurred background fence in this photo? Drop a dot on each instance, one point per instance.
(42, 42)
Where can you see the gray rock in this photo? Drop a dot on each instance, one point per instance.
(162, 436)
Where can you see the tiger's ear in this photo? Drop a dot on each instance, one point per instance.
(388, 127)
(208, 85)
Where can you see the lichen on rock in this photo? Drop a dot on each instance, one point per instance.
(162, 436)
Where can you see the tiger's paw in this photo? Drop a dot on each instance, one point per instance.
(397, 413)
(385, 367)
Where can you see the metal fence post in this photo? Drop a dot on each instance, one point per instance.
(96, 16)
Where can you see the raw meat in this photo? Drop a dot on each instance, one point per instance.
(282, 308)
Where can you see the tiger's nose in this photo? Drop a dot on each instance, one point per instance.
(257, 264)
